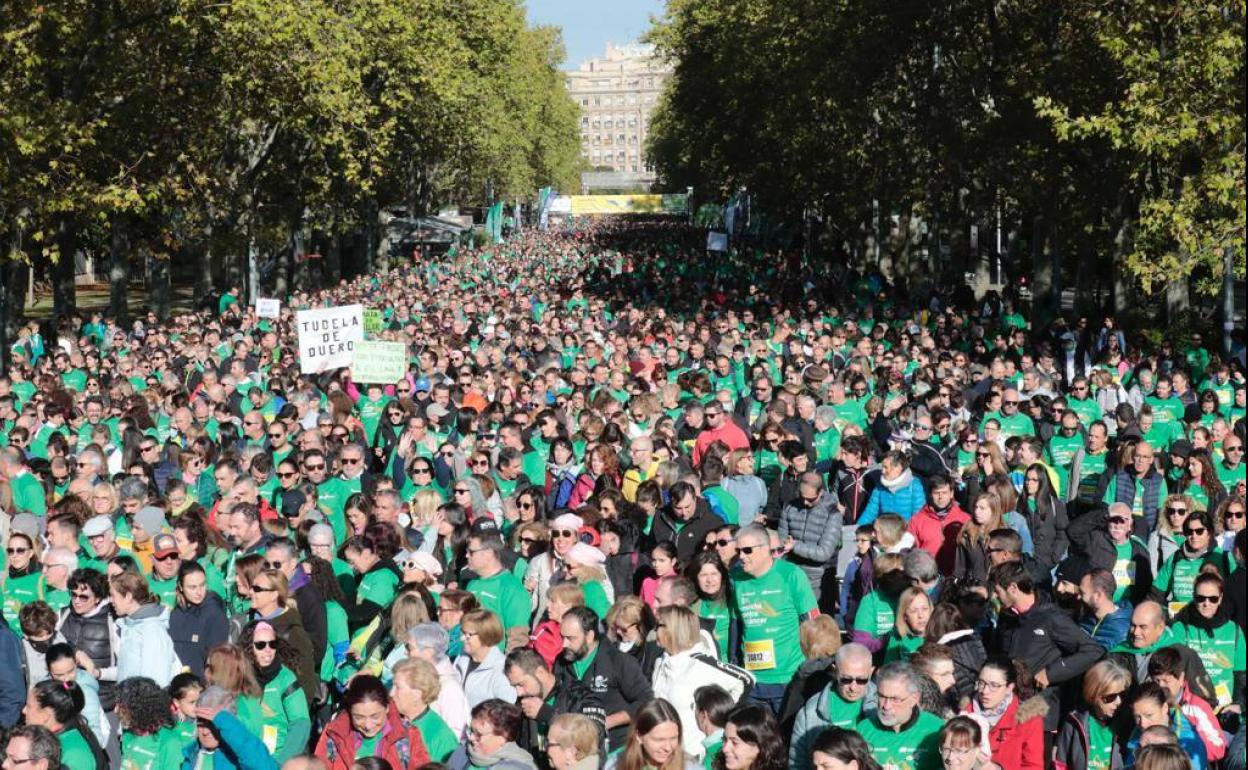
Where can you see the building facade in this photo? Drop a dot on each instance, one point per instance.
(617, 94)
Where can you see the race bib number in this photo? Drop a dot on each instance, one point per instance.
(270, 738)
(1124, 572)
(760, 655)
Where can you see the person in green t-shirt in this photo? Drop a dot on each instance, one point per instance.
(496, 588)
(54, 705)
(772, 599)
(902, 736)
(148, 739)
(416, 685)
(1205, 625)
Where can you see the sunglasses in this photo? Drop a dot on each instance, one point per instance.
(82, 597)
(272, 565)
(749, 549)
(1110, 697)
(166, 557)
(353, 460)
(462, 492)
(529, 540)
(861, 681)
(1195, 531)
(421, 471)
(1234, 514)
(563, 533)
(1170, 509)
(17, 551)
(526, 506)
(265, 645)
(262, 589)
(1206, 599)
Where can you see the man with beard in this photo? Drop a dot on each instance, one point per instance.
(899, 733)
(541, 699)
(587, 668)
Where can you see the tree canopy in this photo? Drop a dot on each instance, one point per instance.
(1100, 133)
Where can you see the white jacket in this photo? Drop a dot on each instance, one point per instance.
(146, 649)
(677, 677)
(487, 680)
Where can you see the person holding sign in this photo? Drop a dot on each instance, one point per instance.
(773, 599)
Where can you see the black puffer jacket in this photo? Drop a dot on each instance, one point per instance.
(196, 629)
(692, 533)
(95, 635)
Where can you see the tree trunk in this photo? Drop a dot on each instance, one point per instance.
(1122, 281)
(1178, 298)
(64, 292)
(1041, 270)
(159, 288)
(332, 269)
(119, 269)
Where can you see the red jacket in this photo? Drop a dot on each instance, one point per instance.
(400, 744)
(1017, 740)
(938, 536)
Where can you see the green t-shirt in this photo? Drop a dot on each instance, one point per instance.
(368, 747)
(771, 607)
(914, 748)
(505, 596)
(28, 494)
(1177, 577)
(75, 753)
(161, 749)
(437, 735)
(281, 704)
(842, 713)
(1091, 467)
(901, 648)
(876, 615)
(1088, 410)
(379, 586)
(1062, 451)
(1124, 568)
(1166, 411)
(18, 592)
(165, 590)
(1222, 652)
(1100, 745)
(596, 598)
(721, 615)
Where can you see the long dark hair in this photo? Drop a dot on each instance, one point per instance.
(1041, 507)
(66, 701)
(845, 746)
(757, 727)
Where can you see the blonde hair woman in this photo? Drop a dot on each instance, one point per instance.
(1167, 536)
(971, 556)
(480, 666)
(572, 743)
(914, 609)
(686, 667)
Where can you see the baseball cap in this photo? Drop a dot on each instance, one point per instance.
(423, 385)
(97, 525)
(585, 554)
(164, 545)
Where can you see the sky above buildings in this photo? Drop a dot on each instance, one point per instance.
(588, 25)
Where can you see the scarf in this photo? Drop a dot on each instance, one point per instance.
(508, 751)
(991, 716)
(266, 674)
(903, 480)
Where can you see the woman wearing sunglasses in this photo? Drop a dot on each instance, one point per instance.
(22, 583)
(1089, 736)
(287, 723)
(1205, 625)
(1175, 583)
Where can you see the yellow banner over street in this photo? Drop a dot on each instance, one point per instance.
(628, 204)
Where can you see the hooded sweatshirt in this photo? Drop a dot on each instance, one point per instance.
(146, 648)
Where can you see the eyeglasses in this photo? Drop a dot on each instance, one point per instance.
(1237, 514)
(147, 448)
(526, 506)
(353, 460)
(480, 463)
(1232, 449)
(260, 644)
(750, 549)
(861, 681)
(1206, 599)
(310, 468)
(981, 684)
(462, 492)
(950, 751)
(82, 596)
(983, 454)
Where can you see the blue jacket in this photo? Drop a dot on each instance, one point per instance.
(905, 502)
(239, 749)
(1112, 630)
(12, 678)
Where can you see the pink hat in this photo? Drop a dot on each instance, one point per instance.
(568, 521)
(585, 554)
(429, 565)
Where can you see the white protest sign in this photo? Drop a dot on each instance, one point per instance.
(716, 241)
(268, 308)
(328, 336)
(377, 361)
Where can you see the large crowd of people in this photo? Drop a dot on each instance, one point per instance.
(633, 506)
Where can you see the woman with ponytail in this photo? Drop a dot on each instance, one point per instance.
(58, 707)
